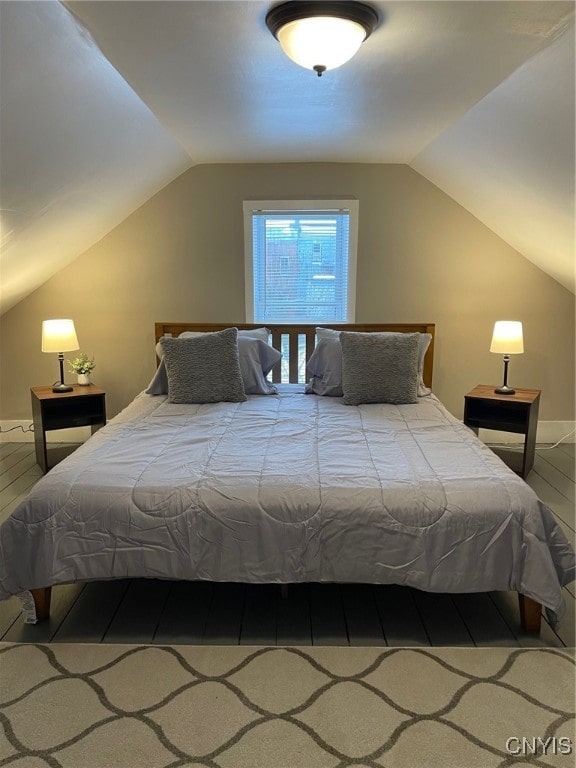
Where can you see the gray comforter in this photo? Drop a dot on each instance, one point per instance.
(287, 488)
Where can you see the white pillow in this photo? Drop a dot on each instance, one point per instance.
(256, 361)
(327, 333)
(325, 368)
(255, 333)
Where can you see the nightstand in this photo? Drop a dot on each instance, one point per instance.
(84, 406)
(486, 409)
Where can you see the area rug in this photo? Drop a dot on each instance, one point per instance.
(126, 706)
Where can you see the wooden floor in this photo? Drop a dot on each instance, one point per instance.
(141, 611)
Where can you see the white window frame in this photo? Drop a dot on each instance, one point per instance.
(281, 206)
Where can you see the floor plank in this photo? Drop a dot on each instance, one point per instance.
(10, 450)
(92, 614)
(224, 621)
(183, 620)
(10, 611)
(568, 448)
(293, 623)
(362, 617)
(559, 460)
(260, 610)
(483, 620)
(327, 615)
(26, 463)
(444, 625)
(139, 612)
(7, 448)
(401, 621)
(13, 454)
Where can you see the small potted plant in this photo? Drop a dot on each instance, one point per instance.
(83, 367)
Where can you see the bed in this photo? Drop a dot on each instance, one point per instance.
(287, 487)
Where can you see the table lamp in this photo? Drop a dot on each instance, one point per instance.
(507, 340)
(59, 336)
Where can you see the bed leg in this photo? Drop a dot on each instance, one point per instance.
(284, 591)
(530, 614)
(42, 602)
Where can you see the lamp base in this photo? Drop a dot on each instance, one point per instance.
(61, 387)
(505, 390)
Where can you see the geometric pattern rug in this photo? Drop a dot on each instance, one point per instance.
(142, 706)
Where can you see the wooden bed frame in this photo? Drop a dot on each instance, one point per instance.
(530, 610)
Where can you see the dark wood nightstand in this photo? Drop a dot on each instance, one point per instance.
(486, 409)
(84, 406)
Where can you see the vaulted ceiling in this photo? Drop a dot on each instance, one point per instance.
(103, 103)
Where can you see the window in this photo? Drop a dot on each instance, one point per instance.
(300, 261)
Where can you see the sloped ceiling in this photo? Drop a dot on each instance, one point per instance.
(79, 150)
(510, 160)
(103, 103)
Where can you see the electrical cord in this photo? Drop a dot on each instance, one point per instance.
(30, 428)
(549, 447)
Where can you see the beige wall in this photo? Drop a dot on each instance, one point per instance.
(421, 257)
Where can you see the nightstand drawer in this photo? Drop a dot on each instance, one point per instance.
(508, 417)
(77, 412)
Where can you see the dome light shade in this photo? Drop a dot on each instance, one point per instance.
(321, 41)
(321, 35)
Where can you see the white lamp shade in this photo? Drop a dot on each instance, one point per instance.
(59, 336)
(507, 338)
(323, 41)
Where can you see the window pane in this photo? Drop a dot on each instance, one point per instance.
(300, 267)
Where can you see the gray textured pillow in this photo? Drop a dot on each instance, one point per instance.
(205, 369)
(325, 364)
(379, 368)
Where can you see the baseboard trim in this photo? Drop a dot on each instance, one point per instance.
(547, 432)
(23, 432)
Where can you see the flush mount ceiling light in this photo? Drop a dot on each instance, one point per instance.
(321, 35)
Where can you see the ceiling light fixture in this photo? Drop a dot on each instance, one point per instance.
(321, 35)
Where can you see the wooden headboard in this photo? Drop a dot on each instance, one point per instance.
(291, 338)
